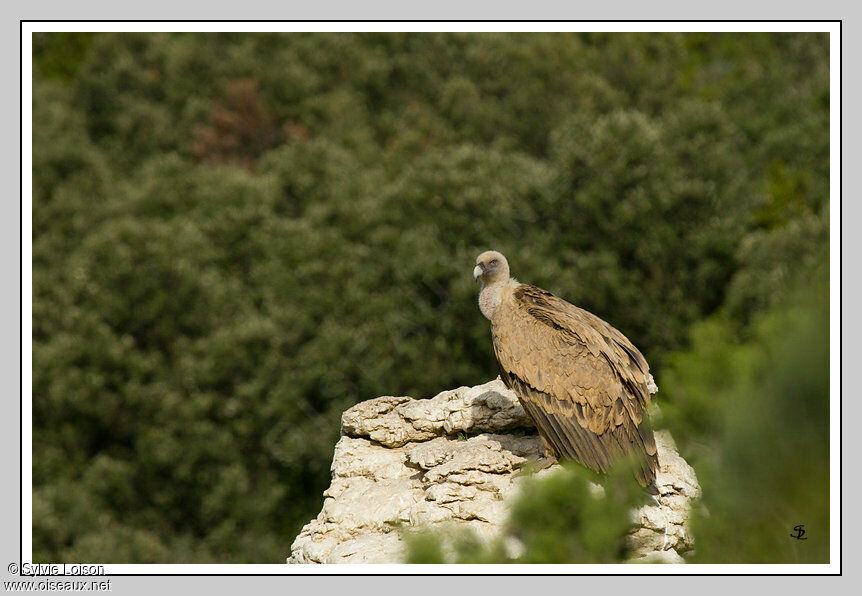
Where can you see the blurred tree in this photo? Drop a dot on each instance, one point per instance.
(58, 55)
(755, 419)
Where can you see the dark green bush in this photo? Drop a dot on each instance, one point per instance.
(754, 418)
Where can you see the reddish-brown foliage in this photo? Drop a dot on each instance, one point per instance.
(240, 127)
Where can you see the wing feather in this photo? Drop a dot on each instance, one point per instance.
(582, 382)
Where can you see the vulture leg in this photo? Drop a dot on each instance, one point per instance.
(547, 458)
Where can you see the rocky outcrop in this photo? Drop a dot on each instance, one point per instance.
(449, 460)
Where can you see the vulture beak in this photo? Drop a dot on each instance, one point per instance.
(478, 272)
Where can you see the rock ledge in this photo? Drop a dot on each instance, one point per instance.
(400, 461)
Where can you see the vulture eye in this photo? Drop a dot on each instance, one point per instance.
(493, 262)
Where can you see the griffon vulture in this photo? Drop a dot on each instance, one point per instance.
(585, 386)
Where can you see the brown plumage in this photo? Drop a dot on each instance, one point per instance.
(582, 382)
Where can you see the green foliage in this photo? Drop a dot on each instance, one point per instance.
(238, 236)
(570, 516)
(654, 222)
(58, 55)
(452, 546)
(775, 261)
(564, 519)
(755, 418)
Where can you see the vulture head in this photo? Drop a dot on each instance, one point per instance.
(491, 267)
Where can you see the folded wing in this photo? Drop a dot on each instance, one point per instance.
(582, 382)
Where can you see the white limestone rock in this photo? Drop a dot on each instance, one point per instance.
(407, 462)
